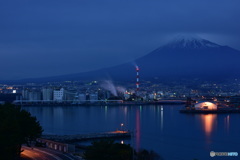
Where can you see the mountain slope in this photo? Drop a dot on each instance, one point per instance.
(183, 57)
(195, 57)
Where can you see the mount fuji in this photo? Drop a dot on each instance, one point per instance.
(182, 57)
(192, 57)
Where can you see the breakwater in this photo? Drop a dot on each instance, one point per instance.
(91, 136)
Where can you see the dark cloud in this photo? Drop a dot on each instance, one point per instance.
(43, 38)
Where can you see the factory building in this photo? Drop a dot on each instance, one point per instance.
(58, 94)
(93, 97)
(47, 94)
(69, 95)
(82, 97)
(31, 95)
(34, 96)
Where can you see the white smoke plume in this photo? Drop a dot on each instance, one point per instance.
(108, 85)
(121, 89)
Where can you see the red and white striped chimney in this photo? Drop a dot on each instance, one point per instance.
(137, 83)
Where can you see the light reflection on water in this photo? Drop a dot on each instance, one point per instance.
(160, 128)
(138, 129)
(208, 122)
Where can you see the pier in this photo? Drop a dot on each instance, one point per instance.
(92, 136)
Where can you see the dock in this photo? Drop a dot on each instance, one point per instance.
(84, 137)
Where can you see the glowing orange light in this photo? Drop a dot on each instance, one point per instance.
(208, 123)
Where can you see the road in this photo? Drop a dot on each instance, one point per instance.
(36, 153)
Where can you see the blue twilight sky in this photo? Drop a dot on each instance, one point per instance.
(54, 37)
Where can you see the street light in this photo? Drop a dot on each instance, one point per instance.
(122, 127)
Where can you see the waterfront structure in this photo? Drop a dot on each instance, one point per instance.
(152, 96)
(82, 97)
(235, 101)
(107, 95)
(47, 94)
(127, 95)
(69, 95)
(59, 146)
(34, 96)
(58, 94)
(93, 97)
(25, 94)
(31, 95)
(205, 106)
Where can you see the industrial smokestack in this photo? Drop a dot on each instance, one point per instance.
(137, 80)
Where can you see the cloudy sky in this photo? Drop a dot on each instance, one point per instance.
(54, 37)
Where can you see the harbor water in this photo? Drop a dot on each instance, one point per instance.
(160, 128)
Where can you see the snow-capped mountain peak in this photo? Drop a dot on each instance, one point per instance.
(190, 42)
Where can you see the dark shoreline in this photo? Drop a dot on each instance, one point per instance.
(172, 102)
(222, 111)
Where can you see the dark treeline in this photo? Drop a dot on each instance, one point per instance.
(16, 128)
(108, 150)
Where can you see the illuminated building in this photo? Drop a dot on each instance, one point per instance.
(205, 106)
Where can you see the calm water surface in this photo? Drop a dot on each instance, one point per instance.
(157, 127)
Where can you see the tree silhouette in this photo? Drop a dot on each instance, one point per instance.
(16, 128)
(108, 150)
